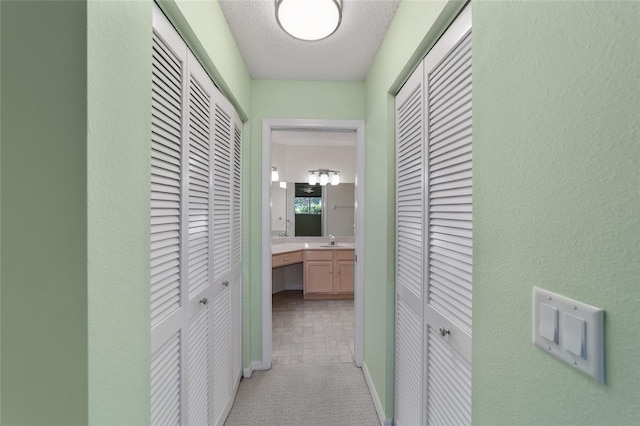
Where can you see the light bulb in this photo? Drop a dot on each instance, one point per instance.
(335, 179)
(313, 179)
(324, 178)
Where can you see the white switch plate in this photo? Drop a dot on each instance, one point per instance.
(565, 346)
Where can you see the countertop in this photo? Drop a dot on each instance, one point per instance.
(289, 247)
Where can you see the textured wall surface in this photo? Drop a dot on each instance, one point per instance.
(556, 92)
(118, 160)
(44, 196)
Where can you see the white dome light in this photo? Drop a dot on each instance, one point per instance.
(309, 19)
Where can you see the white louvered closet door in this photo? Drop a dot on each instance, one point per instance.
(447, 70)
(222, 181)
(199, 254)
(168, 332)
(236, 258)
(409, 253)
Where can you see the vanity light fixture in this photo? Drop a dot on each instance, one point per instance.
(313, 178)
(323, 176)
(324, 179)
(309, 20)
(335, 179)
(274, 174)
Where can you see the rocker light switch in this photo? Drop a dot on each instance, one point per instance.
(549, 322)
(574, 335)
(570, 330)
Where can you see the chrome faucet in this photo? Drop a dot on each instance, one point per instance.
(332, 240)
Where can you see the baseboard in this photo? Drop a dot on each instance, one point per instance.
(374, 395)
(253, 366)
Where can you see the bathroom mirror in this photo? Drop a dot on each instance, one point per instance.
(300, 209)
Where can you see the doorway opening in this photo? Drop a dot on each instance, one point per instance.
(268, 126)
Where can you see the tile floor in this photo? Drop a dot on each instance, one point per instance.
(311, 331)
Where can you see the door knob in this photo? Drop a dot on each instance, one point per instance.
(444, 331)
(225, 283)
(204, 300)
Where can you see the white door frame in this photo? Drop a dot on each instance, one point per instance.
(268, 125)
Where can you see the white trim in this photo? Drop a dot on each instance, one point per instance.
(376, 399)
(302, 124)
(253, 366)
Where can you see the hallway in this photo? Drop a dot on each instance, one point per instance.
(313, 379)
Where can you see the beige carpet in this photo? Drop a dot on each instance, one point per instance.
(304, 394)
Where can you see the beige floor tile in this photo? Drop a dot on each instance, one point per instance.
(311, 331)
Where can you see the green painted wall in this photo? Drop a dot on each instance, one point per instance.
(76, 85)
(118, 164)
(203, 25)
(44, 217)
(283, 99)
(556, 92)
(415, 27)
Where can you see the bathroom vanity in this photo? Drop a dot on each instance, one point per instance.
(328, 271)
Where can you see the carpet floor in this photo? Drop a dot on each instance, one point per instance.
(304, 394)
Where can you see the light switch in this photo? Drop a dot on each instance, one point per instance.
(549, 322)
(570, 330)
(574, 335)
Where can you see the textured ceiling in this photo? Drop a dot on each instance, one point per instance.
(272, 54)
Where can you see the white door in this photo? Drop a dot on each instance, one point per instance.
(199, 289)
(222, 245)
(409, 250)
(195, 237)
(447, 76)
(236, 285)
(168, 294)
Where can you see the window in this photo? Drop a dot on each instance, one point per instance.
(308, 205)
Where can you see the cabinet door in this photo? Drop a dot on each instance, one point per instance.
(344, 276)
(318, 275)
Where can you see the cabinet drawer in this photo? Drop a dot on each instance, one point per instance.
(318, 255)
(283, 259)
(345, 254)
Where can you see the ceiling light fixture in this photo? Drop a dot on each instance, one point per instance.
(309, 19)
(323, 175)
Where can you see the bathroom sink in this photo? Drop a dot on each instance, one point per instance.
(330, 245)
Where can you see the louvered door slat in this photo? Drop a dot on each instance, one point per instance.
(449, 377)
(222, 193)
(449, 200)
(198, 193)
(199, 370)
(221, 348)
(237, 196)
(446, 254)
(409, 250)
(165, 178)
(408, 365)
(166, 383)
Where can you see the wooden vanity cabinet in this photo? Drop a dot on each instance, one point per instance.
(344, 266)
(328, 274)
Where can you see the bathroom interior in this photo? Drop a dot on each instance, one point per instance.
(313, 246)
